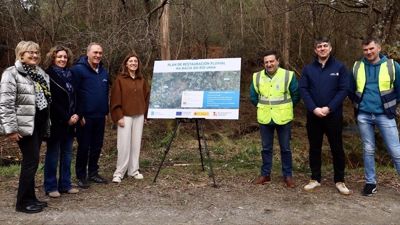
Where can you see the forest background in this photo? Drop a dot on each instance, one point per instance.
(198, 29)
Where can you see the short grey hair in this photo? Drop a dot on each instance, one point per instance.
(90, 46)
(321, 40)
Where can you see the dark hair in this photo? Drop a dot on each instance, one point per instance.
(272, 52)
(368, 41)
(51, 56)
(321, 40)
(124, 69)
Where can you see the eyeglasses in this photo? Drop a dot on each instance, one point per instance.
(32, 53)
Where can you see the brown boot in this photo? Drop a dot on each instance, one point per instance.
(262, 180)
(289, 182)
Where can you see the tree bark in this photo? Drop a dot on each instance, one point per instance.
(164, 29)
(286, 38)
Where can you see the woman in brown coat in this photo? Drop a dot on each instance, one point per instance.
(129, 102)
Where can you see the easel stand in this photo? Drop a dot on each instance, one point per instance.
(181, 120)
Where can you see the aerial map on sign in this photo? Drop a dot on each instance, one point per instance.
(208, 88)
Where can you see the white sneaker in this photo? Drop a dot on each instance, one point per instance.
(116, 179)
(312, 186)
(342, 188)
(138, 176)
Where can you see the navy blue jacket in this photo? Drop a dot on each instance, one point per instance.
(327, 86)
(92, 89)
(60, 110)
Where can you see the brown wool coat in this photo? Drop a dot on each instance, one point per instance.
(129, 97)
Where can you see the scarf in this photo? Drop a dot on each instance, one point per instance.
(38, 78)
(66, 76)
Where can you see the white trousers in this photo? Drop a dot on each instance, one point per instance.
(128, 144)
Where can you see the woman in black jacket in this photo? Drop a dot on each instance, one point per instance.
(63, 118)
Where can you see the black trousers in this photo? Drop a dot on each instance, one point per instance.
(30, 148)
(332, 128)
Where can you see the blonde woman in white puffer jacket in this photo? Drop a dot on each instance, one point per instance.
(24, 115)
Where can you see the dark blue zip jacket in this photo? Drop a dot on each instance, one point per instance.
(92, 89)
(327, 86)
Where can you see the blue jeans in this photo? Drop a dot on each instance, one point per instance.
(388, 129)
(267, 139)
(90, 141)
(64, 150)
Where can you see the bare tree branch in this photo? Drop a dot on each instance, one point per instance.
(39, 24)
(360, 5)
(163, 3)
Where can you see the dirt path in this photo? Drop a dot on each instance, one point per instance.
(174, 200)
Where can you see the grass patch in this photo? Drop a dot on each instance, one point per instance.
(9, 171)
(247, 154)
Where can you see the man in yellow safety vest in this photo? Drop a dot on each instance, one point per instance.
(274, 91)
(374, 88)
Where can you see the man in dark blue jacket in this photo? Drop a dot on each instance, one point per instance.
(323, 88)
(92, 97)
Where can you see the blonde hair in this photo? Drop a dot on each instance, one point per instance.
(51, 56)
(22, 47)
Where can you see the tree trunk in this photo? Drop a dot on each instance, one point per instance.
(241, 26)
(286, 38)
(164, 29)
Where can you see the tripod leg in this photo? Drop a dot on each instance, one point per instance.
(198, 138)
(167, 149)
(208, 154)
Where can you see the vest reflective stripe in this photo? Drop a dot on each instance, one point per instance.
(389, 104)
(386, 79)
(273, 100)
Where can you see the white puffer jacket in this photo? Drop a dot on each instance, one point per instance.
(17, 100)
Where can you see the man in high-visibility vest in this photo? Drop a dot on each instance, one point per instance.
(374, 88)
(323, 88)
(274, 91)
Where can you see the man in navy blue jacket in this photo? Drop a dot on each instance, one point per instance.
(92, 97)
(323, 88)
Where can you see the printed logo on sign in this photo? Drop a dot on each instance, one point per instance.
(201, 113)
(215, 114)
(179, 113)
(186, 113)
(152, 113)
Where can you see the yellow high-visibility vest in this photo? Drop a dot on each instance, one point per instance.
(274, 99)
(386, 79)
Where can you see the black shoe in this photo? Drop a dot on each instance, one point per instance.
(29, 209)
(41, 204)
(369, 189)
(97, 179)
(83, 183)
